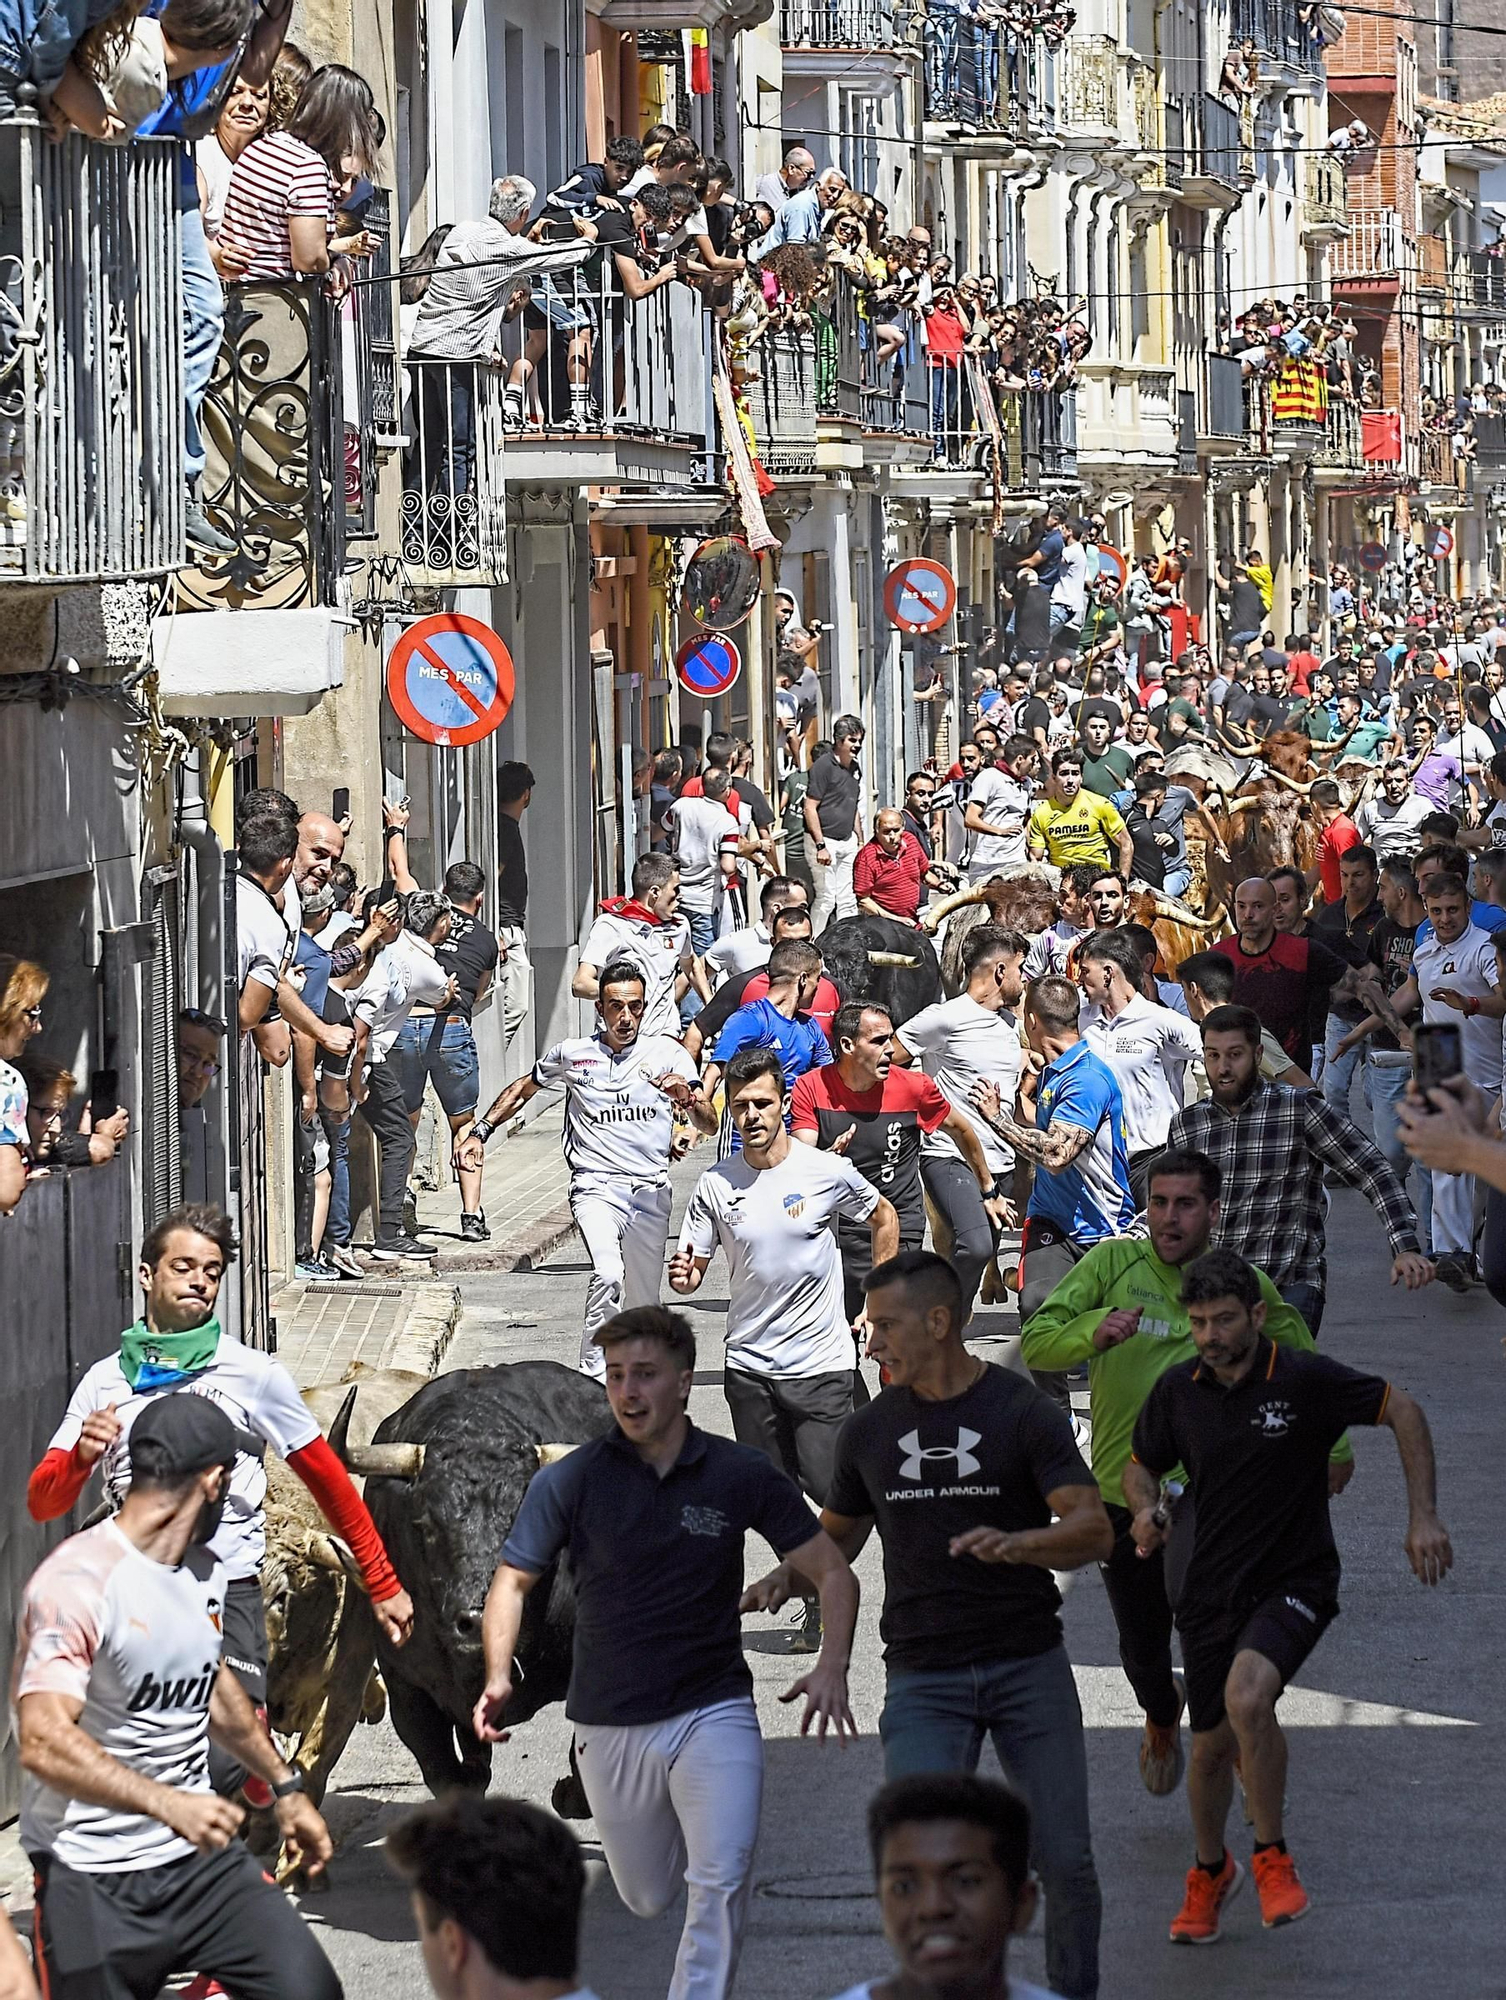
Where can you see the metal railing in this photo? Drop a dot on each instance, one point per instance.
(1490, 438)
(1223, 397)
(1090, 84)
(977, 74)
(274, 434)
(1048, 436)
(782, 402)
(1480, 280)
(893, 389)
(1187, 431)
(838, 24)
(1215, 146)
(454, 511)
(91, 370)
(1376, 246)
(1174, 165)
(1342, 437)
(1439, 465)
(368, 338)
(1278, 32)
(1323, 193)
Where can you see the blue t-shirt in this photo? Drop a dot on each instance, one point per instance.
(1050, 567)
(801, 1043)
(1488, 917)
(315, 960)
(1091, 1198)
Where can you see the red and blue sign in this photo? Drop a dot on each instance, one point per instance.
(450, 680)
(1439, 544)
(919, 595)
(1373, 556)
(708, 665)
(1106, 561)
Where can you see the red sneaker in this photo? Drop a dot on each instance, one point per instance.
(1198, 1920)
(1282, 1897)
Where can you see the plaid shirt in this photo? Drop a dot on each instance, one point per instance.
(1272, 1152)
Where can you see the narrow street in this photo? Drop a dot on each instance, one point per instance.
(1394, 1728)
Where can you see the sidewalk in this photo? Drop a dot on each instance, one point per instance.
(525, 1197)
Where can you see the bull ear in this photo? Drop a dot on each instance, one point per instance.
(551, 1454)
(339, 1430)
(329, 1552)
(386, 1461)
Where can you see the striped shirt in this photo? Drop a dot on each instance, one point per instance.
(275, 179)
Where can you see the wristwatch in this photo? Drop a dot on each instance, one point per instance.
(998, 1192)
(286, 1787)
(482, 1130)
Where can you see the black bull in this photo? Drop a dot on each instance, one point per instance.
(444, 1517)
(904, 988)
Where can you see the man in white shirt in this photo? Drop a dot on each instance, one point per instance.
(746, 949)
(1051, 950)
(1467, 743)
(1148, 1047)
(793, 178)
(405, 974)
(997, 813)
(497, 1887)
(773, 1208)
(703, 839)
(648, 928)
(1069, 594)
(622, 1090)
(951, 1852)
(974, 1038)
(1388, 823)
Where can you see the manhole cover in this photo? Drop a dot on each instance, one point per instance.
(829, 1889)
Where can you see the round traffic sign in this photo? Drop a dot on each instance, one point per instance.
(919, 595)
(1439, 544)
(1373, 556)
(450, 680)
(708, 665)
(1103, 559)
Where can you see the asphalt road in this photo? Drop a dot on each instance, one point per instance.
(1397, 1745)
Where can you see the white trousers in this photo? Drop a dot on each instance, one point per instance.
(679, 1801)
(515, 977)
(624, 1227)
(1453, 1214)
(833, 880)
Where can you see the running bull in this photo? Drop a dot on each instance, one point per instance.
(445, 1478)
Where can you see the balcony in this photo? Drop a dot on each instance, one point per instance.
(91, 387)
(1490, 444)
(1048, 439)
(1324, 203)
(1480, 284)
(1215, 174)
(1223, 400)
(872, 37)
(822, 382)
(981, 80)
(1445, 474)
(1375, 254)
(1433, 274)
(1290, 49)
(454, 512)
(1342, 450)
(1090, 85)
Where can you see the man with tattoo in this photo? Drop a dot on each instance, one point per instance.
(1077, 1145)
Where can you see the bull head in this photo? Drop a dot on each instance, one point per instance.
(372, 1461)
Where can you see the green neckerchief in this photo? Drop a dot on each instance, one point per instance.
(161, 1360)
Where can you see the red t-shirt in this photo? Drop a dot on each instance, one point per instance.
(1302, 664)
(946, 337)
(1336, 838)
(823, 1007)
(1275, 984)
(886, 1125)
(894, 882)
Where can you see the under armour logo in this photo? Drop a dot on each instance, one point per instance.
(917, 1455)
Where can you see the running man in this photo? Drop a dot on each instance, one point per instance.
(119, 1688)
(647, 927)
(1070, 825)
(1146, 1045)
(177, 1345)
(1120, 1311)
(653, 1518)
(1254, 1425)
(622, 1089)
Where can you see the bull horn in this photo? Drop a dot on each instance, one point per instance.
(386, 1461)
(892, 958)
(1292, 784)
(329, 1552)
(1167, 906)
(936, 913)
(339, 1430)
(551, 1454)
(1243, 805)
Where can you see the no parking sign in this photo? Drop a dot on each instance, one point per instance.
(708, 665)
(1439, 544)
(450, 680)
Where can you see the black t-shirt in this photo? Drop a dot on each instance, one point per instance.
(1391, 947)
(758, 806)
(1246, 606)
(512, 874)
(1033, 715)
(886, 1125)
(1094, 704)
(925, 1472)
(1150, 856)
(1257, 1466)
(838, 792)
(1350, 938)
(922, 831)
(470, 952)
(1238, 704)
(1267, 712)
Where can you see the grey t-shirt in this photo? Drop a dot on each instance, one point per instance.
(838, 792)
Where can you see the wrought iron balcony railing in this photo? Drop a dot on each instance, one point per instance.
(1279, 32)
(839, 24)
(454, 511)
(986, 77)
(91, 358)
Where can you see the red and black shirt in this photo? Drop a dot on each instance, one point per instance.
(1280, 982)
(886, 1124)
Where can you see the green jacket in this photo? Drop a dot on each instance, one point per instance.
(1123, 1272)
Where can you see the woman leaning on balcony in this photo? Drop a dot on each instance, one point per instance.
(280, 207)
(23, 986)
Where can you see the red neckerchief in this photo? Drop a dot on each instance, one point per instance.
(631, 908)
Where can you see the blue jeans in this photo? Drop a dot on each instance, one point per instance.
(337, 1131)
(946, 405)
(1338, 1071)
(203, 327)
(936, 1721)
(450, 1059)
(1309, 1301)
(1176, 880)
(702, 930)
(1386, 1080)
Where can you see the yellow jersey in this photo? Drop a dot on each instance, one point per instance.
(1086, 830)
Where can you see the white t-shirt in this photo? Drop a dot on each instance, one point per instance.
(263, 940)
(701, 830)
(255, 1392)
(778, 1228)
(1392, 830)
(1001, 800)
(1049, 951)
(216, 166)
(1071, 586)
(616, 1121)
(1148, 1048)
(739, 951)
(406, 975)
(1468, 966)
(139, 1644)
(1471, 748)
(663, 951)
(959, 1044)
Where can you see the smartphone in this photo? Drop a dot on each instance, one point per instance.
(104, 1095)
(1437, 1053)
(340, 805)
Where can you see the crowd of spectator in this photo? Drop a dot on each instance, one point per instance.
(45, 1123)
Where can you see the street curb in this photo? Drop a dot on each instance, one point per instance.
(426, 1335)
(525, 1253)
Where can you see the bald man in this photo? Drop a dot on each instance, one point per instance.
(793, 178)
(1276, 975)
(890, 871)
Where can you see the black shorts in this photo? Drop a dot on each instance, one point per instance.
(1284, 1630)
(121, 1936)
(245, 1653)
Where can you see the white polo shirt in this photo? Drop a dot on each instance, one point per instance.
(1467, 966)
(617, 1123)
(1148, 1048)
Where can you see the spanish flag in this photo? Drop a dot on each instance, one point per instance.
(698, 61)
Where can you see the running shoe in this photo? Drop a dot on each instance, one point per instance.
(1199, 1919)
(340, 1259)
(314, 1270)
(391, 1249)
(1282, 1897)
(806, 1637)
(1162, 1758)
(1452, 1271)
(473, 1228)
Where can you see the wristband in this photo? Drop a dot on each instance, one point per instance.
(1471, 1005)
(285, 1789)
(482, 1130)
(998, 1192)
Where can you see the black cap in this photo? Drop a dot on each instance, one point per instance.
(189, 1434)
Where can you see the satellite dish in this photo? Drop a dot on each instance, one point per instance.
(721, 583)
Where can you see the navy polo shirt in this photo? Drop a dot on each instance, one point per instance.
(657, 1566)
